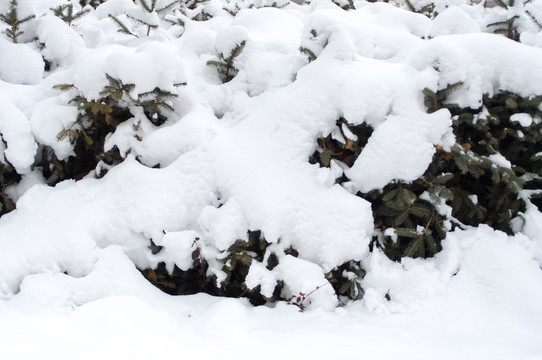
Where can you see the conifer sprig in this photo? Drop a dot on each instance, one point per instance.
(168, 7)
(12, 19)
(309, 53)
(122, 27)
(225, 65)
(65, 12)
(535, 20)
(155, 103)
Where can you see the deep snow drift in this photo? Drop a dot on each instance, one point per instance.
(233, 158)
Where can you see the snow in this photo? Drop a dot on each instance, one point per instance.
(475, 299)
(19, 64)
(523, 119)
(233, 158)
(16, 132)
(500, 161)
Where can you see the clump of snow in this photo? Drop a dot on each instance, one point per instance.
(148, 66)
(19, 63)
(500, 160)
(62, 44)
(481, 63)
(453, 21)
(523, 119)
(16, 132)
(49, 118)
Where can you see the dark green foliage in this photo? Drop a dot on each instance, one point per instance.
(416, 224)
(308, 53)
(534, 19)
(96, 119)
(345, 4)
(471, 178)
(225, 64)
(506, 27)
(8, 176)
(156, 104)
(65, 12)
(151, 7)
(236, 263)
(122, 27)
(427, 10)
(313, 40)
(345, 280)
(12, 19)
(481, 133)
(435, 101)
(346, 150)
(93, 3)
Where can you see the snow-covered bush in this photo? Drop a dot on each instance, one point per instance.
(260, 149)
(479, 180)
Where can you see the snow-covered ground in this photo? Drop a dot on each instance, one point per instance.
(234, 157)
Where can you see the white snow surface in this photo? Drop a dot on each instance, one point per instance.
(234, 157)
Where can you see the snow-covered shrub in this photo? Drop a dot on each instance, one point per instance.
(479, 180)
(237, 147)
(225, 65)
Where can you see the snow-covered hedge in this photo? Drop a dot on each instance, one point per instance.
(251, 148)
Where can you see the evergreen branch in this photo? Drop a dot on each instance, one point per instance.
(177, 21)
(399, 220)
(65, 12)
(396, 205)
(414, 245)
(534, 19)
(442, 179)
(12, 19)
(406, 232)
(430, 242)
(529, 104)
(26, 19)
(501, 4)
(146, 6)
(444, 93)
(122, 28)
(407, 196)
(500, 23)
(141, 22)
(308, 52)
(390, 195)
(421, 211)
(235, 52)
(64, 87)
(231, 12)
(410, 6)
(96, 107)
(167, 7)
